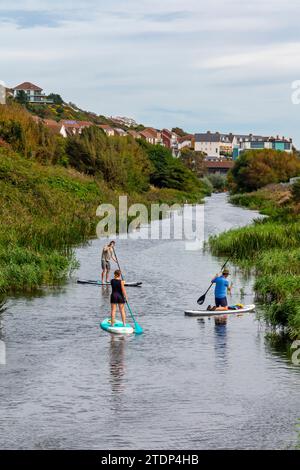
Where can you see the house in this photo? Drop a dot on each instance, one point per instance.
(169, 139)
(151, 135)
(134, 134)
(33, 92)
(186, 141)
(258, 142)
(109, 131)
(221, 167)
(215, 145)
(124, 121)
(73, 127)
(55, 127)
(120, 132)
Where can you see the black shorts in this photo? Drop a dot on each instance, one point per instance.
(116, 298)
(221, 302)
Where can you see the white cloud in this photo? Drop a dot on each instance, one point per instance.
(222, 64)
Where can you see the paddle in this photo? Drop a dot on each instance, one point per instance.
(138, 328)
(201, 299)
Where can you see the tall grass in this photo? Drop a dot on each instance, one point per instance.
(273, 249)
(247, 241)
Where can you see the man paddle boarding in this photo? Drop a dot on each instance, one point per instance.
(107, 255)
(221, 289)
(118, 297)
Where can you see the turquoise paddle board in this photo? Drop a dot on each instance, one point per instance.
(118, 328)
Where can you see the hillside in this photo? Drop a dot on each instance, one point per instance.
(50, 187)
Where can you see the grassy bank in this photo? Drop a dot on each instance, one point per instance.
(271, 248)
(45, 210)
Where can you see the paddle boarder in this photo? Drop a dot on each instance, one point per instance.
(107, 255)
(221, 289)
(118, 297)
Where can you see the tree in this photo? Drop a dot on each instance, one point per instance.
(57, 99)
(194, 161)
(22, 97)
(179, 131)
(257, 168)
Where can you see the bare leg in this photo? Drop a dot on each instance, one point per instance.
(103, 274)
(123, 314)
(107, 275)
(113, 314)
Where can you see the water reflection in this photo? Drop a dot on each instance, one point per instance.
(116, 365)
(220, 335)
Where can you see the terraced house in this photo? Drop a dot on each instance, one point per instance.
(219, 146)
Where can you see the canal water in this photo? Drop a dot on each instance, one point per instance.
(185, 383)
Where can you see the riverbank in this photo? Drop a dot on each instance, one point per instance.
(46, 210)
(270, 248)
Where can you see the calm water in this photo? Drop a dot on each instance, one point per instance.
(183, 384)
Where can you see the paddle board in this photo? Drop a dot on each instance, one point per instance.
(99, 283)
(118, 328)
(213, 313)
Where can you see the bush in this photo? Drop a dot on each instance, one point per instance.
(257, 168)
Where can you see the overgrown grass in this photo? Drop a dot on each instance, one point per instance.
(45, 211)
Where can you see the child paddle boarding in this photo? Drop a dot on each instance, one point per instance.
(118, 297)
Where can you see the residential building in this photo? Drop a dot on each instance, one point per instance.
(151, 135)
(125, 121)
(186, 141)
(55, 127)
(73, 127)
(120, 132)
(218, 146)
(134, 134)
(215, 144)
(34, 93)
(109, 131)
(258, 142)
(169, 139)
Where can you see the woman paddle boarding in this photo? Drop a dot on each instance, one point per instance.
(118, 297)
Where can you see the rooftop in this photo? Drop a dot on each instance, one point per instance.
(28, 86)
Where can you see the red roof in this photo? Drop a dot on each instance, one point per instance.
(28, 86)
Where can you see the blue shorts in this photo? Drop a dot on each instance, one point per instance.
(221, 302)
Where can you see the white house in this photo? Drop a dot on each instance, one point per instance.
(34, 93)
(214, 144)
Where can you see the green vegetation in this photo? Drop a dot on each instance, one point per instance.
(271, 247)
(50, 188)
(170, 172)
(255, 169)
(218, 182)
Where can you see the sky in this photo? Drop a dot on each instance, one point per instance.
(201, 65)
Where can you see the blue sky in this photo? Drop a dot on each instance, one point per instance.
(218, 65)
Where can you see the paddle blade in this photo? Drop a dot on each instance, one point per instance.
(138, 329)
(201, 299)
